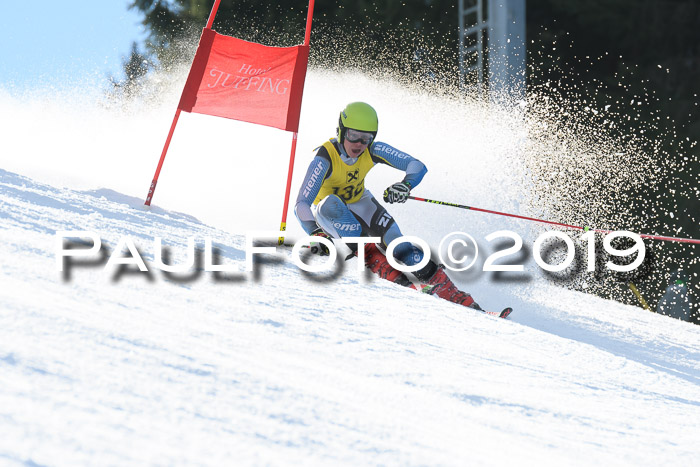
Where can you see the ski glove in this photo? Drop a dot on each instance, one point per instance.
(319, 248)
(397, 193)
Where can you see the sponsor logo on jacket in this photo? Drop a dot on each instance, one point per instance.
(382, 149)
(314, 177)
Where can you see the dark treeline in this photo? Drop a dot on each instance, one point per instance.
(596, 51)
(345, 33)
(646, 52)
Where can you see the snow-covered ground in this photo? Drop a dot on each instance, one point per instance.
(116, 366)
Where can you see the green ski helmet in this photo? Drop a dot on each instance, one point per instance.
(358, 116)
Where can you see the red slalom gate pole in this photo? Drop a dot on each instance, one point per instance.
(152, 189)
(212, 14)
(285, 207)
(162, 158)
(587, 229)
(290, 172)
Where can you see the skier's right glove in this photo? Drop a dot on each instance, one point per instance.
(319, 248)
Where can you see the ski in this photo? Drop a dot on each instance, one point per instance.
(502, 314)
(387, 271)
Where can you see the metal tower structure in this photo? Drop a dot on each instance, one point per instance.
(472, 37)
(492, 46)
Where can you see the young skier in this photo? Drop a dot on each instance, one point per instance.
(334, 203)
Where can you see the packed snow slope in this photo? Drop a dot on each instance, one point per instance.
(117, 366)
(110, 365)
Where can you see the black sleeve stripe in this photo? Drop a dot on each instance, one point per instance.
(379, 160)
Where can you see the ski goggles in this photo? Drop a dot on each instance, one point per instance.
(354, 136)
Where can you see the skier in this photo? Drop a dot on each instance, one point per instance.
(334, 203)
(675, 302)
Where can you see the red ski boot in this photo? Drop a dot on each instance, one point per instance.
(443, 287)
(376, 262)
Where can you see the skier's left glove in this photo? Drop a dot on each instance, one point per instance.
(397, 193)
(319, 248)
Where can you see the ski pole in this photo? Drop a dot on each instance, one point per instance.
(639, 296)
(586, 229)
